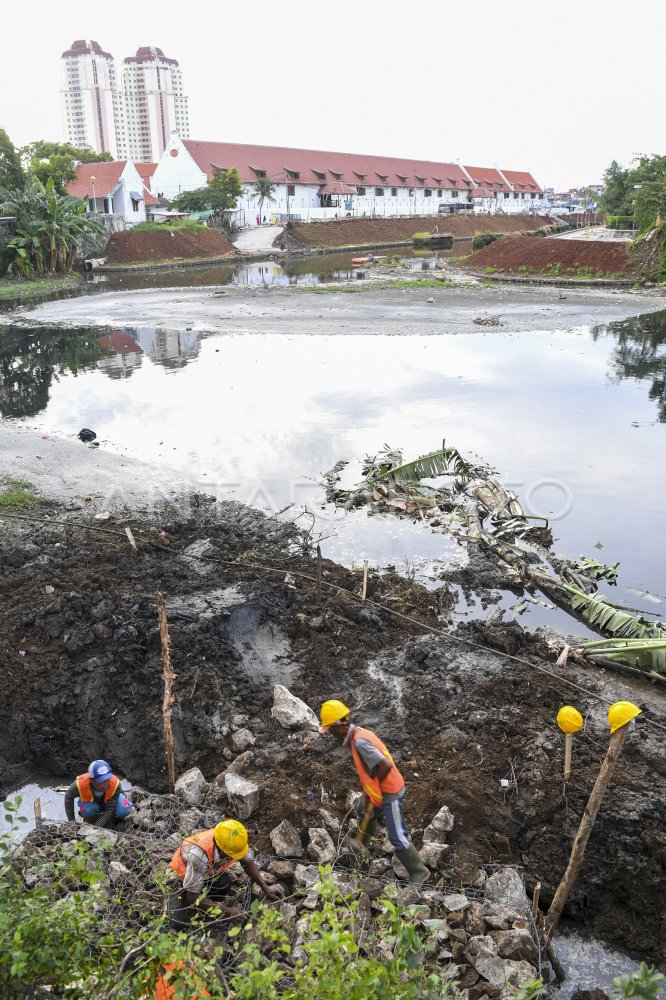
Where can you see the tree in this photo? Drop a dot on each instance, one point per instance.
(613, 199)
(11, 171)
(58, 160)
(221, 193)
(263, 191)
(49, 228)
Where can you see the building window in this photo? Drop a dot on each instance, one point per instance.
(394, 192)
(379, 192)
(454, 194)
(533, 195)
(439, 192)
(516, 195)
(507, 194)
(411, 192)
(360, 190)
(291, 190)
(427, 193)
(135, 206)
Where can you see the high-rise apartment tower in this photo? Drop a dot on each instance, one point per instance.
(130, 116)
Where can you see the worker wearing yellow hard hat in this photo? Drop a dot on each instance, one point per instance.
(383, 785)
(201, 863)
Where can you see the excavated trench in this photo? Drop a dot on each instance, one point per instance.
(471, 729)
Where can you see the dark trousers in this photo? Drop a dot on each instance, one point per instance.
(180, 911)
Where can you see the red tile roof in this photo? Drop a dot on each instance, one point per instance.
(146, 171)
(107, 176)
(317, 165)
(488, 177)
(522, 181)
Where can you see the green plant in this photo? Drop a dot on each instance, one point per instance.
(643, 982)
(16, 499)
(481, 240)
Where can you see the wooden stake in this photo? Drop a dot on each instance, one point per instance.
(584, 830)
(561, 661)
(318, 573)
(169, 678)
(568, 744)
(365, 580)
(130, 537)
(535, 900)
(37, 806)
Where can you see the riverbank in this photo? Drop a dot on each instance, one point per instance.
(430, 310)
(15, 291)
(78, 629)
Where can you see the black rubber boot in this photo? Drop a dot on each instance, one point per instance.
(411, 859)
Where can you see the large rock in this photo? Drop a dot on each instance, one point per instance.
(192, 786)
(456, 901)
(482, 943)
(432, 854)
(242, 739)
(118, 872)
(440, 825)
(519, 973)
(321, 848)
(516, 944)
(506, 888)
(286, 841)
(306, 875)
(291, 712)
(97, 836)
(243, 795)
(491, 967)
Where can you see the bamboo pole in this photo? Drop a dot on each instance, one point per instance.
(568, 744)
(169, 678)
(37, 806)
(582, 836)
(365, 580)
(319, 573)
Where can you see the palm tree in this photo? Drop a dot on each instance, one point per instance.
(263, 191)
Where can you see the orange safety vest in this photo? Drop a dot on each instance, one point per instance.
(86, 792)
(205, 840)
(392, 783)
(165, 991)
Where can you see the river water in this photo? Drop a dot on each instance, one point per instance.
(574, 420)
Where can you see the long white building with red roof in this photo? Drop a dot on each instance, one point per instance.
(313, 184)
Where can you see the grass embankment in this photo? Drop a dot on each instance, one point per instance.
(16, 495)
(531, 256)
(179, 226)
(365, 286)
(33, 289)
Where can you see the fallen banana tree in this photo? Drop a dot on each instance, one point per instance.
(473, 506)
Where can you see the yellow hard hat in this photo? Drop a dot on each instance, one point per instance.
(569, 719)
(331, 712)
(231, 838)
(621, 713)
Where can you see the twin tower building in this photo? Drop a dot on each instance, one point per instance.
(130, 112)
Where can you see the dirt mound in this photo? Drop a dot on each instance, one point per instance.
(81, 678)
(137, 247)
(375, 232)
(533, 255)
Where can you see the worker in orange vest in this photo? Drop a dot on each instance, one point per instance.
(201, 862)
(383, 785)
(175, 974)
(101, 800)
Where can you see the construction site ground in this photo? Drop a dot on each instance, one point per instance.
(528, 254)
(469, 715)
(146, 246)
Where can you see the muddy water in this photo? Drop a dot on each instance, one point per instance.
(573, 420)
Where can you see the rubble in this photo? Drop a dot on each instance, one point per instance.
(291, 712)
(243, 795)
(321, 848)
(192, 786)
(286, 841)
(242, 739)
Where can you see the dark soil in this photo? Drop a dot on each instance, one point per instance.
(374, 232)
(557, 257)
(132, 247)
(81, 677)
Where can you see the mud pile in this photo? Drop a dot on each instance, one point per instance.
(470, 729)
(529, 254)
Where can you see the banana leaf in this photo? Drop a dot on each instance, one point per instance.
(648, 654)
(444, 462)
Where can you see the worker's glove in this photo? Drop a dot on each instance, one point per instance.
(274, 892)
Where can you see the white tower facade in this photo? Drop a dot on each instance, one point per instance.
(93, 104)
(155, 103)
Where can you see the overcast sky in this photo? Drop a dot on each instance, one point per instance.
(560, 89)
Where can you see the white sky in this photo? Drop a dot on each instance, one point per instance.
(558, 89)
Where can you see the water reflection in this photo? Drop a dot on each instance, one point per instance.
(640, 354)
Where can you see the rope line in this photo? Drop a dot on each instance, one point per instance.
(332, 586)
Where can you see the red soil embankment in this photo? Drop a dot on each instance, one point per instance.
(554, 257)
(377, 232)
(132, 247)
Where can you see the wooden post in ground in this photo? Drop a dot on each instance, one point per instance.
(319, 573)
(37, 806)
(584, 831)
(365, 580)
(169, 678)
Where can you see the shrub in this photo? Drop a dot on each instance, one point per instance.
(481, 240)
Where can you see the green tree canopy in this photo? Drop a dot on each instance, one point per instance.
(58, 160)
(220, 194)
(639, 190)
(263, 191)
(11, 172)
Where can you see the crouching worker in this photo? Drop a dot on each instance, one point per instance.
(101, 800)
(202, 861)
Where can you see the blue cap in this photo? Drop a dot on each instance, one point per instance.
(99, 770)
